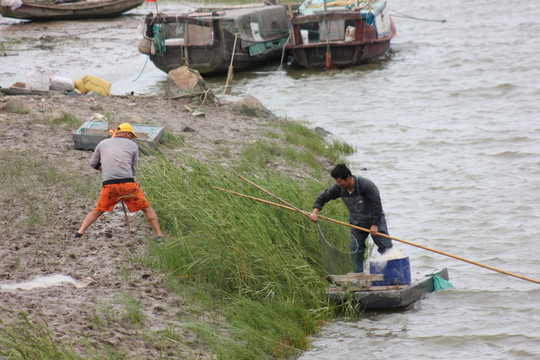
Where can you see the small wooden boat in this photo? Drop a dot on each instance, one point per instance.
(339, 33)
(213, 40)
(69, 10)
(357, 287)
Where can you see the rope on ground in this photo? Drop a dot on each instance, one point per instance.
(144, 66)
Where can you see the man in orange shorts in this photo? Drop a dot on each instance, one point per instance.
(117, 158)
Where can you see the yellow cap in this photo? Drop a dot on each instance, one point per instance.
(126, 127)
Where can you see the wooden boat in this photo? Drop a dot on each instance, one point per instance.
(357, 287)
(68, 10)
(339, 33)
(211, 41)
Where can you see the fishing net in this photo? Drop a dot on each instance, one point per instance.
(159, 40)
(334, 258)
(441, 284)
(337, 257)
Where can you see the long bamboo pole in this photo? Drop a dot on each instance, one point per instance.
(269, 193)
(380, 234)
(291, 16)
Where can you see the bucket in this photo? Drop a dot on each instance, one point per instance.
(396, 271)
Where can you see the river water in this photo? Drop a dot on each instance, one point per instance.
(446, 125)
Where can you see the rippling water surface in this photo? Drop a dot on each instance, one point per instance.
(447, 126)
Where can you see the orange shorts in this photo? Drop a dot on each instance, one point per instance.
(130, 193)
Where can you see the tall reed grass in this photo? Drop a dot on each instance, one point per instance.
(259, 266)
(262, 265)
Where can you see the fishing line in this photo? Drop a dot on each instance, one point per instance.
(415, 18)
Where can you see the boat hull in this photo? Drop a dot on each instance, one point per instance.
(71, 11)
(340, 37)
(215, 41)
(341, 54)
(213, 59)
(385, 297)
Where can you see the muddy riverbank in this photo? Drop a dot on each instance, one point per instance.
(37, 236)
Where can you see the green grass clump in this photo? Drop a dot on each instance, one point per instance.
(299, 134)
(172, 140)
(22, 338)
(298, 146)
(133, 310)
(67, 121)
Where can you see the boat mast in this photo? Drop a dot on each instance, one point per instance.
(328, 53)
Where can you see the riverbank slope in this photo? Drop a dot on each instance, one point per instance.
(120, 306)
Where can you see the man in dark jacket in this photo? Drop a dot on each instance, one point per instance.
(362, 198)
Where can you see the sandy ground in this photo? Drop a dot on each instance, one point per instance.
(103, 253)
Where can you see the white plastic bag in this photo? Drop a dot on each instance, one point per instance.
(59, 83)
(13, 4)
(38, 79)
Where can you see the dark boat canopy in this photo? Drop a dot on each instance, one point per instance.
(253, 25)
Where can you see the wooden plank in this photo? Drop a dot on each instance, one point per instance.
(24, 91)
(334, 288)
(355, 280)
(352, 277)
(392, 287)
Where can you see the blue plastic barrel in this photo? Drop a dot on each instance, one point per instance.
(396, 272)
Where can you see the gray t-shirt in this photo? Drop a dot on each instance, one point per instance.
(118, 156)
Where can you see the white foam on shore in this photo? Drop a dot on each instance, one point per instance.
(46, 282)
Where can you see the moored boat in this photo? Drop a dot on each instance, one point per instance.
(67, 10)
(340, 33)
(212, 41)
(368, 297)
